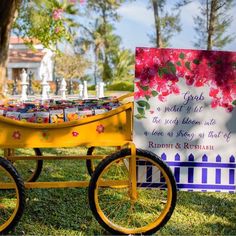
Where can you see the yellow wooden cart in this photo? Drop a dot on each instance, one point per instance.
(131, 191)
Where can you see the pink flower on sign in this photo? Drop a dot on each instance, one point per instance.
(159, 71)
(199, 83)
(100, 129)
(57, 14)
(189, 80)
(230, 108)
(175, 89)
(162, 98)
(214, 103)
(213, 92)
(16, 135)
(75, 134)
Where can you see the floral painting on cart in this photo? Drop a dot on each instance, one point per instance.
(185, 112)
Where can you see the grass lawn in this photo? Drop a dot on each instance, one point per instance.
(66, 211)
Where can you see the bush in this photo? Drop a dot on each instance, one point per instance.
(121, 86)
(91, 87)
(9, 86)
(37, 87)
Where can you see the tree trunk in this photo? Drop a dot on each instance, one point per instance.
(157, 23)
(8, 11)
(106, 43)
(95, 67)
(211, 24)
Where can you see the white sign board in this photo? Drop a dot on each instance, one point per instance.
(185, 113)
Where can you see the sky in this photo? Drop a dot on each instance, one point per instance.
(137, 22)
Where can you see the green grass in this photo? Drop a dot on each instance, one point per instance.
(66, 211)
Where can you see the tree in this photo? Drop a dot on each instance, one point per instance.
(212, 23)
(8, 13)
(107, 55)
(92, 38)
(70, 66)
(102, 39)
(49, 21)
(217, 21)
(123, 66)
(166, 24)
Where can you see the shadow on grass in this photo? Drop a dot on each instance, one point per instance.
(203, 214)
(66, 212)
(58, 212)
(219, 204)
(222, 229)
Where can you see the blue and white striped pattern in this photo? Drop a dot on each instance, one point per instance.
(194, 175)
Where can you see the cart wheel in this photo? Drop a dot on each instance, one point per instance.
(30, 170)
(112, 204)
(12, 196)
(91, 164)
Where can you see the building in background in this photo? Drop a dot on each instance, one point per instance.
(37, 62)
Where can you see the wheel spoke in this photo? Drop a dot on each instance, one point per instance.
(114, 206)
(109, 204)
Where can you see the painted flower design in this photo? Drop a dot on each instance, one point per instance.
(100, 129)
(75, 134)
(16, 134)
(158, 73)
(45, 134)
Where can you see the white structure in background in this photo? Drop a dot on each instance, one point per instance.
(45, 88)
(24, 85)
(46, 66)
(85, 90)
(63, 89)
(38, 61)
(101, 89)
(81, 88)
